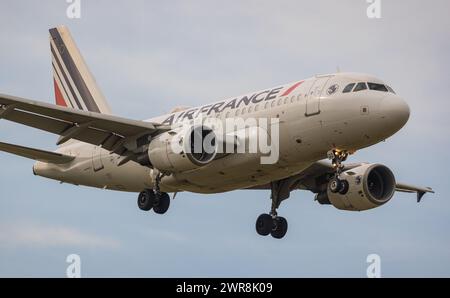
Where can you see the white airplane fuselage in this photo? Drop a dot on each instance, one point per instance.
(314, 115)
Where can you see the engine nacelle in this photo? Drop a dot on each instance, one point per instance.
(183, 149)
(369, 186)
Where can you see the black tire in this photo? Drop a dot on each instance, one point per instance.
(264, 224)
(145, 200)
(335, 185)
(344, 187)
(163, 204)
(281, 227)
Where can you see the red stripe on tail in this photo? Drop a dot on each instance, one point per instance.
(292, 88)
(58, 95)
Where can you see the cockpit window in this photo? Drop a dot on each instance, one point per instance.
(348, 88)
(390, 89)
(363, 86)
(360, 86)
(377, 87)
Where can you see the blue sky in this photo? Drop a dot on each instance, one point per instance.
(149, 56)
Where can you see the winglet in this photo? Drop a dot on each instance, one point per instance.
(420, 194)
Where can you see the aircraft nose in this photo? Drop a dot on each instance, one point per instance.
(395, 112)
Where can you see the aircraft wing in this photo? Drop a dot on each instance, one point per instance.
(313, 177)
(320, 168)
(420, 191)
(116, 134)
(36, 154)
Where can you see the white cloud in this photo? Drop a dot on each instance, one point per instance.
(44, 236)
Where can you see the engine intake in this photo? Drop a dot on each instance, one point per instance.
(370, 186)
(201, 142)
(183, 149)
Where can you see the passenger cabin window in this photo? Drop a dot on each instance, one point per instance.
(348, 88)
(377, 87)
(360, 86)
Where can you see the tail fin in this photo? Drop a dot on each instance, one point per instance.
(75, 86)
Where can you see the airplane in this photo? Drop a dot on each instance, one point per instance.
(323, 117)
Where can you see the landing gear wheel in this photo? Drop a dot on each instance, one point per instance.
(271, 223)
(344, 187)
(335, 185)
(280, 227)
(163, 204)
(146, 199)
(264, 224)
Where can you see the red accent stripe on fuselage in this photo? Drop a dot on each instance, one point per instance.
(292, 88)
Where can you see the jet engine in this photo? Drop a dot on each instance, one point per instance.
(364, 187)
(183, 149)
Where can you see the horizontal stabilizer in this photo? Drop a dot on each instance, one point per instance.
(36, 154)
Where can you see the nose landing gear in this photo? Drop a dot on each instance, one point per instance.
(336, 185)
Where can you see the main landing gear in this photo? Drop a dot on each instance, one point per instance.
(336, 185)
(272, 223)
(154, 198)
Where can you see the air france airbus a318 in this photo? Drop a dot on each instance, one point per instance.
(326, 116)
